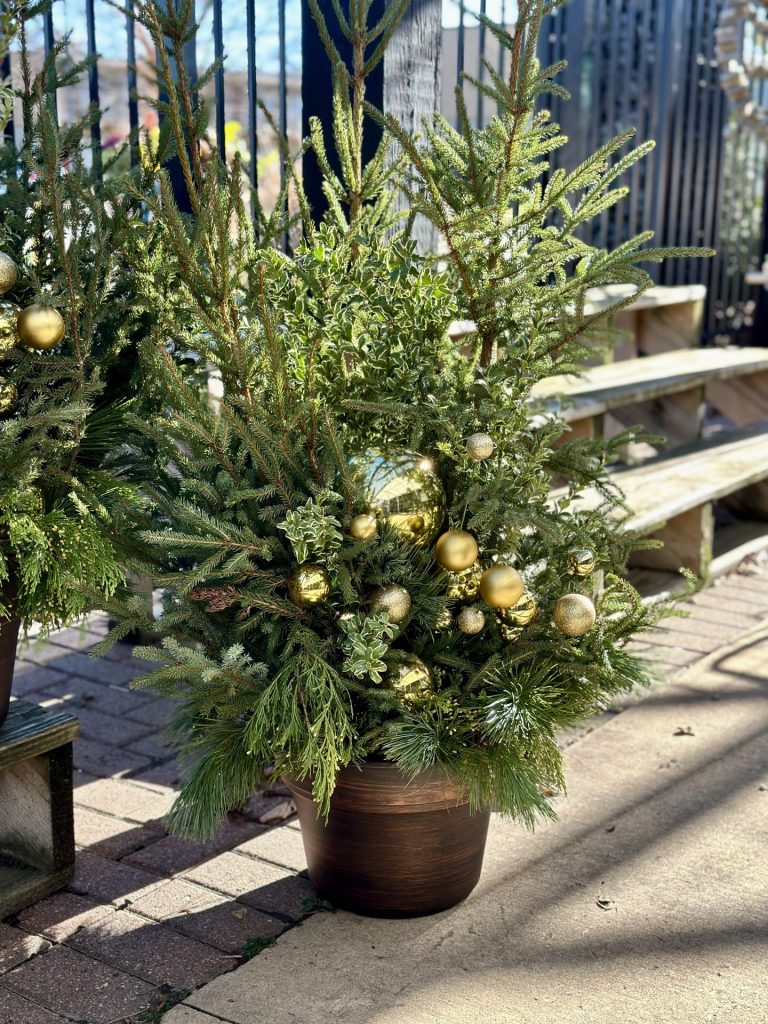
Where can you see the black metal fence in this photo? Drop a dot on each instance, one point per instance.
(643, 63)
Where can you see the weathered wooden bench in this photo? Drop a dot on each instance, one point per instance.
(37, 842)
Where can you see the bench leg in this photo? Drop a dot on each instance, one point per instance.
(687, 544)
(667, 328)
(678, 417)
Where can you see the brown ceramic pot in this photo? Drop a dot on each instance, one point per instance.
(392, 848)
(9, 635)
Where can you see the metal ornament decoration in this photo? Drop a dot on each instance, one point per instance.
(363, 527)
(40, 327)
(582, 562)
(574, 615)
(308, 585)
(444, 620)
(392, 599)
(524, 612)
(404, 490)
(480, 447)
(411, 678)
(465, 585)
(456, 550)
(471, 620)
(501, 586)
(9, 314)
(9, 396)
(9, 273)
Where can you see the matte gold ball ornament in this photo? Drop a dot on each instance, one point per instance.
(471, 620)
(404, 490)
(40, 327)
(392, 599)
(363, 527)
(9, 314)
(524, 612)
(466, 585)
(9, 273)
(411, 678)
(582, 562)
(501, 586)
(480, 447)
(574, 615)
(9, 396)
(456, 550)
(308, 585)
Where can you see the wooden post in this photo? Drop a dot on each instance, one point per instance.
(406, 84)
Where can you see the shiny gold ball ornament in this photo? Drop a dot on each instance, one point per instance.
(466, 585)
(40, 327)
(582, 562)
(9, 396)
(501, 586)
(510, 633)
(524, 611)
(404, 490)
(392, 599)
(9, 273)
(456, 550)
(480, 447)
(363, 527)
(9, 314)
(444, 619)
(471, 620)
(308, 584)
(574, 615)
(411, 678)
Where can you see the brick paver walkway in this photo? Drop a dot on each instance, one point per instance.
(149, 918)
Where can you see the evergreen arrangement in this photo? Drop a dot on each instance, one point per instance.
(361, 549)
(63, 389)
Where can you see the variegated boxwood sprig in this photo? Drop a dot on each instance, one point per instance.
(313, 530)
(363, 642)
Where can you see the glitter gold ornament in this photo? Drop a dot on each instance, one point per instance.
(582, 562)
(456, 550)
(480, 447)
(9, 273)
(392, 599)
(523, 612)
(363, 527)
(9, 314)
(574, 615)
(501, 586)
(40, 327)
(410, 678)
(9, 396)
(465, 585)
(403, 488)
(308, 584)
(471, 620)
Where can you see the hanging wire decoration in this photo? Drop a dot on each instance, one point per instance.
(741, 50)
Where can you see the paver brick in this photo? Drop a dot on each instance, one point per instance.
(150, 951)
(67, 982)
(59, 916)
(14, 1009)
(183, 1014)
(710, 599)
(159, 777)
(111, 837)
(123, 798)
(701, 643)
(101, 670)
(742, 591)
(152, 710)
(723, 632)
(279, 845)
(108, 881)
(107, 761)
(154, 745)
(17, 946)
(703, 614)
(171, 855)
(29, 678)
(673, 657)
(265, 886)
(78, 693)
(114, 729)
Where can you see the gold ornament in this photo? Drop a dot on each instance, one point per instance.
(9, 396)
(510, 633)
(582, 562)
(471, 620)
(574, 615)
(9, 273)
(392, 599)
(9, 314)
(501, 586)
(40, 327)
(411, 678)
(308, 584)
(480, 447)
(444, 619)
(466, 585)
(363, 527)
(456, 550)
(523, 612)
(405, 490)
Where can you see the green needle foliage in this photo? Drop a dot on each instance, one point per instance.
(58, 499)
(340, 347)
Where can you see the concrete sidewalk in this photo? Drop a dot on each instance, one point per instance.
(647, 901)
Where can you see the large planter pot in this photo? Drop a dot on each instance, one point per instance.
(9, 635)
(392, 848)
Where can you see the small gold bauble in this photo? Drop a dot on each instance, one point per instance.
(480, 446)
(9, 396)
(9, 273)
(403, 488)
(392, 599)
(523, 612)
(501, 586)
(510, 633)
(308, 584)
(444, 619)
(9, 314)
(465, 585)
(582, 562)
(456, 550)
(471, 620)
(363, 527)
(574, 615)
(40, 327)
(410, 678)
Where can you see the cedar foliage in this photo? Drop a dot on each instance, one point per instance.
(342, 346)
